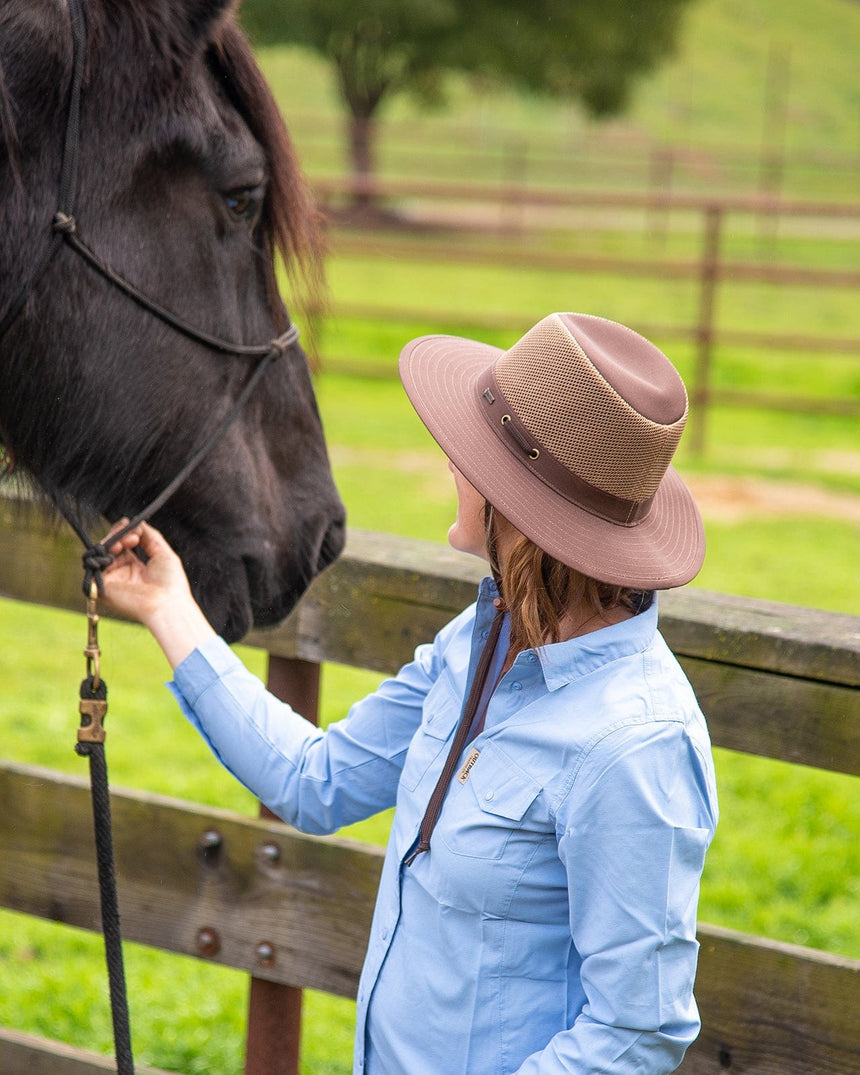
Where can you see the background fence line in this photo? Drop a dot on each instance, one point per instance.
(578, 156)
(710, 269)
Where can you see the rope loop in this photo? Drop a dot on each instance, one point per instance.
(65, 224)
(95, 559)
(281, 344)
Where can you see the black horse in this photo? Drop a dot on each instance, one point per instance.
(188, 187)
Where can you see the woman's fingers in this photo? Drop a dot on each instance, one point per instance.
(144, 535)
(127, 541)
(152, 541)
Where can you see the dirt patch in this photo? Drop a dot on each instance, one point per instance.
(728, 499)
(722, 498)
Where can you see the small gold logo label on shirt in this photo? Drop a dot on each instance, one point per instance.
(463, 775)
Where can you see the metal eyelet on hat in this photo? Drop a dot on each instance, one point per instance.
(531, 452)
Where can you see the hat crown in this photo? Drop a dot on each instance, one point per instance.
(600, 398)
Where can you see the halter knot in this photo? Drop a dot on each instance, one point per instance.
(65, 224)
(95, 559)
(281, 344)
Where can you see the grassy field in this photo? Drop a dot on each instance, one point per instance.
(786, 860)
(710, 102)
(780, 493)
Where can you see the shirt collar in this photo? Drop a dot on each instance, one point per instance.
(563, 662)
(566, 661)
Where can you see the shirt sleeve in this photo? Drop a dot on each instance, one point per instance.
(316, 780)
(633, 832)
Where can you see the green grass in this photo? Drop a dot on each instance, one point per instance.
(785, 863)
(438, 293)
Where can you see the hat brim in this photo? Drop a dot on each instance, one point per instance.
(440, 375)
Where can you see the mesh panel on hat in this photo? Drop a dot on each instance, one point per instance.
(563, 400)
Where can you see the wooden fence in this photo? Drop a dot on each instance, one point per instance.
(510, 205)
(568, 155)
(293, 911)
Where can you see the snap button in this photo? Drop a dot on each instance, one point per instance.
(517, 686)
(489, 794)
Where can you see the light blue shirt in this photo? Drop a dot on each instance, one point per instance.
(551, 927)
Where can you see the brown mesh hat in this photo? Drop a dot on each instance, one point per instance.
(569, 434)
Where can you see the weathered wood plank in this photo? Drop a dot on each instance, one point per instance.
(387, 593)
(790, 640)
(774, 679)
(766, 1007)
(796, 720)
(769, 1008)
(40, 559)
(191, 879)
(24, 1054)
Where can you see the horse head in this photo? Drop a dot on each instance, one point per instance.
(187, 186)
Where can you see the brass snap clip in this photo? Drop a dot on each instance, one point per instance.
(92, 651)
(93, 703)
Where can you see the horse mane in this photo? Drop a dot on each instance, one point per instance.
(8, 131)
(291, 220)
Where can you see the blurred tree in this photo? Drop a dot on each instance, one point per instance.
(592, 50)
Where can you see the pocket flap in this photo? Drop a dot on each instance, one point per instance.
(500, 786)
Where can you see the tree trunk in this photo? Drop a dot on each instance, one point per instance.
(362, 135)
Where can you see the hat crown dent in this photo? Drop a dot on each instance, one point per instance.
(605, 402)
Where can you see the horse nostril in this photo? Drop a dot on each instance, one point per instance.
(332, 544)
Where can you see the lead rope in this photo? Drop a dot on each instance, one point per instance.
(91, 744)
(470, 708)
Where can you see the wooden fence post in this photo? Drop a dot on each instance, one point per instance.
(705, 324)
(661, 174)
(513, 206)
(273, 1044)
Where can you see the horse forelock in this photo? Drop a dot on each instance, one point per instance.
(291, 220)
(290, 225)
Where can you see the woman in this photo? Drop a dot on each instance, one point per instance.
(550, 766)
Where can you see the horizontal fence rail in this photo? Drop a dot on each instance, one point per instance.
(294, 910)
(330, 189)
(580, 157)
(709, 270)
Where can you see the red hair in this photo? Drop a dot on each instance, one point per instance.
(539, 591)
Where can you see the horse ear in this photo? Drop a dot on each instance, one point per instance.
(199, 16)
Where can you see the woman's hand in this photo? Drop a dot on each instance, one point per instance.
(142, 589)
(154, 590)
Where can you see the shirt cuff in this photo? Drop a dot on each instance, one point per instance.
(200, 670)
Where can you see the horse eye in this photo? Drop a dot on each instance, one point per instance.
(243, 202)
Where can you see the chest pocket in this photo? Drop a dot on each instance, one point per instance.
(441, 714)
(480, 817)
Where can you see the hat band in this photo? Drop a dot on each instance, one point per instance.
(502, 419)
